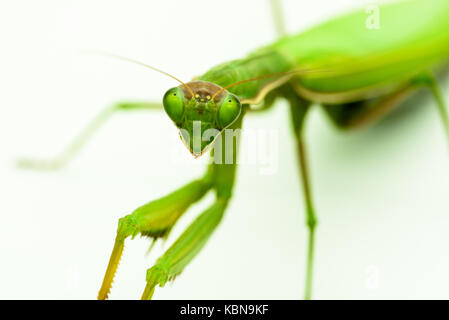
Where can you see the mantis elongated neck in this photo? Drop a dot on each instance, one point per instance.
(258, 64)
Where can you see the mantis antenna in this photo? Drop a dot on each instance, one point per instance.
(298, 71)
(269, 75)
(144, 65)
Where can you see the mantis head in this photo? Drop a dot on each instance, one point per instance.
(201, 110)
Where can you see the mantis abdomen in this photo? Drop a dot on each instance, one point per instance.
(346, 54)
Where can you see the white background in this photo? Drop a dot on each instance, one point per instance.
(381, 193)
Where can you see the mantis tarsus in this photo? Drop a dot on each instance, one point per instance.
(357, 74)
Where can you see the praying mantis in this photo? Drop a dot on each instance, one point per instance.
(355, 73)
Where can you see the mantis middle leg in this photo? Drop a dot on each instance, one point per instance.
(80, 141)
(278, 17)
(155, 220)
(299, 108)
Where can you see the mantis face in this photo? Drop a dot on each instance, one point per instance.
(201, 110)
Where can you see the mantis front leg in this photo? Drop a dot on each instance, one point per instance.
(156, 218)
(72, 150)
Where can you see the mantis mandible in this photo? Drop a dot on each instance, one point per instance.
(354, 73)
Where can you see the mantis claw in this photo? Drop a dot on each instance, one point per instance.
(155, 275)
(155, 220)
(117, 252)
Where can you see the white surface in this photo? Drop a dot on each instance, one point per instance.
(381, 193)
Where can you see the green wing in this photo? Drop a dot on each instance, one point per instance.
(412, 36)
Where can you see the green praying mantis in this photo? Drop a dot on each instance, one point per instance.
(356, 71)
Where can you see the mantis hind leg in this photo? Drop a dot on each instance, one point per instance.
(299, 108)
(430, 81)
(85, 135)
(356, 114)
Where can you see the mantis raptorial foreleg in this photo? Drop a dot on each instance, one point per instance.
(72, 150)
(222, 172)
(156, 218)
(173, 261)
(299, 108)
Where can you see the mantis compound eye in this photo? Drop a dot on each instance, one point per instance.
(173, 102)
(229, 111)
